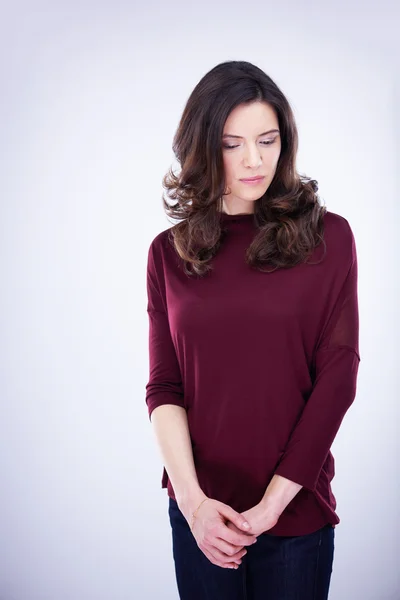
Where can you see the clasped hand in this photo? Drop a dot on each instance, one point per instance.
(221, 535)
(260, 518)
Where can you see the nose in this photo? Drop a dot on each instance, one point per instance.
(252, 157)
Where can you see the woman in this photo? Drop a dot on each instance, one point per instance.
(253, 346)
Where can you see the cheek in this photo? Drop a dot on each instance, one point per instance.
(275, 158)
(227, 169)
(230, 167)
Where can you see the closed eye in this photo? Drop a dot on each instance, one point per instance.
(265, 143)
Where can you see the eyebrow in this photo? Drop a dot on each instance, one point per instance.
(239, 136)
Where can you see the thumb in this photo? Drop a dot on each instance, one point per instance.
(235, 517)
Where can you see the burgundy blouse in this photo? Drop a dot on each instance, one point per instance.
(265, 365)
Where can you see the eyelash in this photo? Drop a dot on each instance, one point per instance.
(265, 144)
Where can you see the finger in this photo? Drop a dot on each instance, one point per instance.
(234, 552)
(220, 557)
(234, 516)
(217, 563)
(233, 538)
(233, 527)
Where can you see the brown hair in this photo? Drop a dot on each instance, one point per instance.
(288, 216)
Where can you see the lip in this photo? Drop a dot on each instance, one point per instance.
(253, 179)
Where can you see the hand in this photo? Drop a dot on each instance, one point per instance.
(261, 518)
(222, 546)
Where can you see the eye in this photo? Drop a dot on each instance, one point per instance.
(264, 142)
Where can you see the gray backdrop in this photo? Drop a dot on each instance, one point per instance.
(91, 94)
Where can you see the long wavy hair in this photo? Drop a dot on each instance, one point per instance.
(289, 216)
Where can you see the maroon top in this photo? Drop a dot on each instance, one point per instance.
(265, 365)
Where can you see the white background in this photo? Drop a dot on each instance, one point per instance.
(91, 95)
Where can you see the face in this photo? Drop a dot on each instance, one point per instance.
(251, 146)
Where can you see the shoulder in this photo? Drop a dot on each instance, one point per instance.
(160, 242)
(339, 237)
(160, 251)
(337, 225)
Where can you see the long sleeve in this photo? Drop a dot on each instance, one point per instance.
(336, 364)
(165, 383)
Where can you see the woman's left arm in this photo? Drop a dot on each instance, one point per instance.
(336, 368)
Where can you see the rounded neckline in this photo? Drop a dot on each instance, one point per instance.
(236, 217)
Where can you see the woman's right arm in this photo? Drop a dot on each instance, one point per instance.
(167, 413)
(170, 426)
(165, 393)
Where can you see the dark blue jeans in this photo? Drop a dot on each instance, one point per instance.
(275, 568)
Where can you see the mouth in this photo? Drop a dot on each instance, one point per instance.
(253, 179)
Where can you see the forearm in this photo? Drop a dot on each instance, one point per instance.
(279, 493)
(171, 429)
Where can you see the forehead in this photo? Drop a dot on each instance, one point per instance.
(251, 119)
